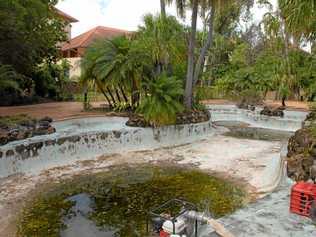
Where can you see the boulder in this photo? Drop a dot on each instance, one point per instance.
(245, 105)
(26, 128)
(196, 116)
(47, 119)
(4, 136)
(301, 156)
(273, 111)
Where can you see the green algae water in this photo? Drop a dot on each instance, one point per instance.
(121, 199)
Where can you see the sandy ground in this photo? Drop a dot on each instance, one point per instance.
(57, 110)
(64, 110)
(249, 165)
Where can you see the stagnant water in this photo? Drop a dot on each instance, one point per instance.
(243, 130)
(116, 203)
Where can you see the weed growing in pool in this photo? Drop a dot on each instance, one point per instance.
(43, 217)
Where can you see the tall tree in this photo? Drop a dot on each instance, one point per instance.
(29, 33)
(300, 16)
(194, 67)
(188, 93)
(163, 8)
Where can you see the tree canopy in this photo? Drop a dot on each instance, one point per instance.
(29, 33)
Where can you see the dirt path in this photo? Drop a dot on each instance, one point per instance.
(56, 110)
(64, 110)
(290, 105)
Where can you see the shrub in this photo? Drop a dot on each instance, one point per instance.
(163, 101)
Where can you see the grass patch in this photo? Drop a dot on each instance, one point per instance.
(15, 120)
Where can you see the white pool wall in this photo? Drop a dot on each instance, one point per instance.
(88, 138)
(291, 121)
(66, 147)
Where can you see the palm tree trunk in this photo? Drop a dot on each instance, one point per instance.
(135, 95)
(111, 95)
(188, 94)
(103, 92)
(313, 47)
(206, 46)
(283, 101)
(118, 95)
(124, 95)
(163, 8)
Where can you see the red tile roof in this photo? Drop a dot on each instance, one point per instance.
(84, 40)
(65, 16)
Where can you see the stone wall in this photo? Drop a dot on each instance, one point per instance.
(33, 156)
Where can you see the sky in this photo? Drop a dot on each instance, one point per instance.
(122, 14)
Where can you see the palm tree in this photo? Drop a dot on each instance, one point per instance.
(163, 104)
(164, 39)
(163, 8)
(194, 67)
(300, 16)
(181, 7)
(116, 65)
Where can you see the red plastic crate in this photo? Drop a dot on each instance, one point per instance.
(302, 196)
(163, 234)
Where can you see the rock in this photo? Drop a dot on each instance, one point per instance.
(14, 133)
(50, 142)
(182, 118)
(295, 168)
(9, 153)
(301, 157)
(311, 116)
(137, 121)
(30, 124)
(313, 173)
(44, 124)
(244, 105)
(301, 141)
(193, 117)
(276, 112)
(51, 130)
(25, 129)
(46, 119)
(4, 136)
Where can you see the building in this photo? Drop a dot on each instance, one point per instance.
(74, 50)
(68, 19)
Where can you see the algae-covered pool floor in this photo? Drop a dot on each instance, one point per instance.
(120, 199)
(253, 164)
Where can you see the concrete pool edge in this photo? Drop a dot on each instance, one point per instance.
(39, 153)
(32, 157)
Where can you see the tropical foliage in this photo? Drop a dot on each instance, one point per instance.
(264, 58)
(163, 100)
(162, 68)
(141, 72)
(117, 67)
(8, 78)
(29, 36)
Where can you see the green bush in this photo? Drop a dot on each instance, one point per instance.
(163, 101)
